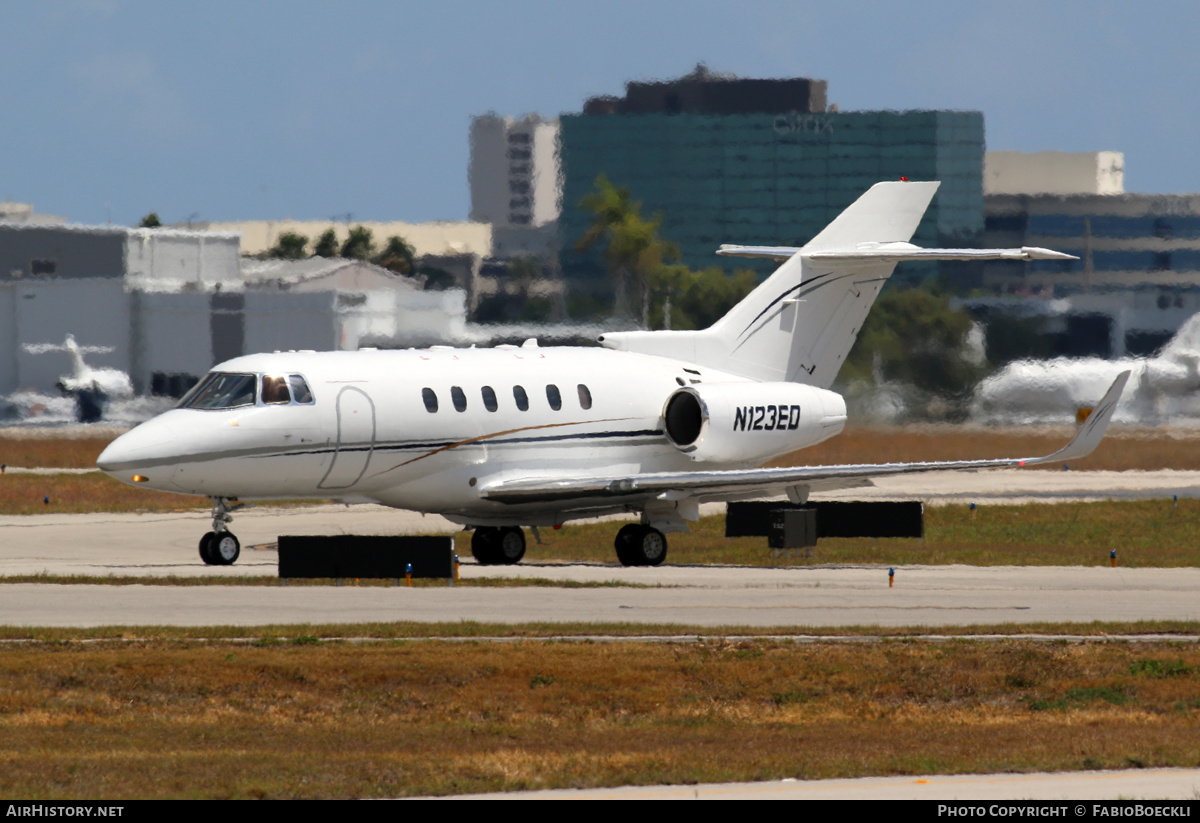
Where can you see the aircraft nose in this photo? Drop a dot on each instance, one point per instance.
(152, 443)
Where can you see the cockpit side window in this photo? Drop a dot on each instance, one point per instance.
(222, 390)
(300, 391)
(275, 390)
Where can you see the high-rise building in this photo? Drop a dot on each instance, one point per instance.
(728, 160)
(514, 171)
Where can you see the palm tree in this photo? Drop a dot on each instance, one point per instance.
(633, 245)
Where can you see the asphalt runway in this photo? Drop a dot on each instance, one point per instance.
(931, 596)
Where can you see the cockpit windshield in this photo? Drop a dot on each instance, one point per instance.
(221, 390)
(230, 390)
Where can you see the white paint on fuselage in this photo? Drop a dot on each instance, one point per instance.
(406, 456)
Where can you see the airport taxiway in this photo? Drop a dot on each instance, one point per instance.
(932, 596)
(164, 544)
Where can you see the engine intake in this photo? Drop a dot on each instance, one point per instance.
(750, 422)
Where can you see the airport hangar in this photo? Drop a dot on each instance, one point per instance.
(171, 302)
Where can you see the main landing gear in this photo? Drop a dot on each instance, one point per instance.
(220, 547)
(639, 545)
(493, 546)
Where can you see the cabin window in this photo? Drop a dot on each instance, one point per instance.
(300, 391)
(430, 399)
(275, 390)
(458, 399)
(221, 390)
(521, 397)
(585, 397)
(553, 397)
(489, 398)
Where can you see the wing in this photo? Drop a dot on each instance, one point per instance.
(722, 484)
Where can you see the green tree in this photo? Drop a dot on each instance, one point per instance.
(359, 245)
(151, 221)
(632, 246)
(289, 246)
(397, 256)
(327, 245)
(919, 339)
(702, 297)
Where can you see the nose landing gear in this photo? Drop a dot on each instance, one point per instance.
(220, 547)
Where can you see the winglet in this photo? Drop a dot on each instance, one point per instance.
(1092, 431)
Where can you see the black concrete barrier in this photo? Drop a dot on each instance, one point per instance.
(341, 556)
(833, 519)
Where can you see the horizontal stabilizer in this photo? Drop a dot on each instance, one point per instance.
(894, 253)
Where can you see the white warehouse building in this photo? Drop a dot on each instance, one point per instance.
(172, 303)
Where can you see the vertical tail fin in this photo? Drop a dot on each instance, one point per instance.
(801, 322)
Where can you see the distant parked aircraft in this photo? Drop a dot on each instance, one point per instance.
(1160, 387)
(91, 387)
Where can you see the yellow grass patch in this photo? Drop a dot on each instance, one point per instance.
(161, 719)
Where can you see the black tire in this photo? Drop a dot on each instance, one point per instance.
(206, 553)
(510, 545)
(224, 548)
(626, 545)
(485, 545)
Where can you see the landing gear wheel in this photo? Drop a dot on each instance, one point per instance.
(652, 546)
(225, 548)
(485, 546)
(510, 545)
(206, 552)
(639, 545)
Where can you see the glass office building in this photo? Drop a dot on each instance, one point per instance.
(768, 178)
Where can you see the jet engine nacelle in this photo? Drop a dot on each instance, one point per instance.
(748, 422)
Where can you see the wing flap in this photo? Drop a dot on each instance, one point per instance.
(717, 483)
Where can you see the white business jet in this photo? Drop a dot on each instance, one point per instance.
(655, 422)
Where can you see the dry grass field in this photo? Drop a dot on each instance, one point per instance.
(82, 493)
(53, 448)
(330, 719)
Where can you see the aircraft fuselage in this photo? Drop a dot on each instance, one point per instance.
(422, 429)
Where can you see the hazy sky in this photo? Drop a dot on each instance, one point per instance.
(309, 109)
